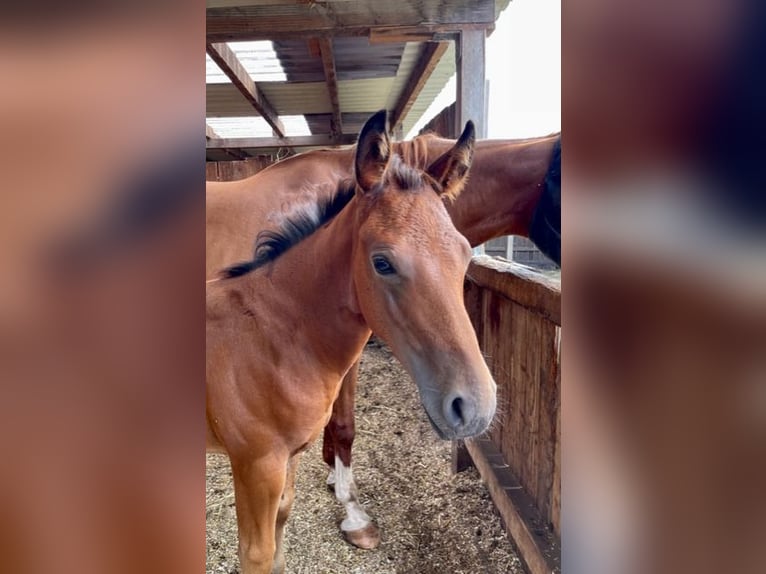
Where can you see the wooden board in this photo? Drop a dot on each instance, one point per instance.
(515, 312)
(233, 170)
(538, 547)
(518, 283)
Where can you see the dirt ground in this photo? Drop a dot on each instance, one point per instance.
(432, 522)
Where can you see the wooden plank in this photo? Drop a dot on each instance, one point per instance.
(555, 512)
(499, 344)
(233, 68)
(549, 403)
(433, 32)
(320, 19)
(461, 458)
(210, 133)
(539, 548)
(404, 34)
(291, 142)
(331, 77)
(471, 81)
(430, 55)
(519, 284)
(211, 171)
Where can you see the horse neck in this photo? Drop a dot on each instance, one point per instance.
(504, 186)
(314, 278)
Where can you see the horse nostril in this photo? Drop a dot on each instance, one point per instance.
(458, 410)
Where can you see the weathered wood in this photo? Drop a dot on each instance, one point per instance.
(538, 548)
(471, 81)
(527, 288)
(319, 19)
(511, 308)
(403, 34)
(291, 142)
(331, 77)
(236, 72)
(430, 55)
(461, 459)
(211, 171)
(555, 512)
(443, 123)
(233, 170)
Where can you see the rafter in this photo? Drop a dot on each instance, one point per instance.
(309, 19)
(291, 142)
(331, 77)
(430, 55)
(231, 66)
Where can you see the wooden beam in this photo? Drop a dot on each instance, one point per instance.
(471, 81)
(331, 77)
(307, 19)
(297, 141)
(430, 55)
(231, 66)
(404, 34)
(322, 19)
(538, 547)
(529, 289)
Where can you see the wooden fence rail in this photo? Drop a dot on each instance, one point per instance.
(517, 316)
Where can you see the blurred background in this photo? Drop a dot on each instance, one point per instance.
(664, 310)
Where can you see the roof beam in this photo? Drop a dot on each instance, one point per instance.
(248, 23)
(331, 78)
(292, 142)
(231, 66)
(429, 58)
(321, 19)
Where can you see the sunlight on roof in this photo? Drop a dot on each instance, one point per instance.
(260, 61)
(523, 66)
(256, 126)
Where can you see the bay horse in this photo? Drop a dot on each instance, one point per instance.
(514, 188)
(284, 327)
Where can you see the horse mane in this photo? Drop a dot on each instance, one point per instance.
(269, 245)
(414, 152)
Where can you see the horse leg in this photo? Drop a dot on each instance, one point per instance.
(358, 527)
(258, 487)
(285, 504)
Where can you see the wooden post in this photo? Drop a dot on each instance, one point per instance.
(471, 87)
(461, 458)
(471, 81)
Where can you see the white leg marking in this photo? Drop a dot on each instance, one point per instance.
(345, 492)
(331, 477)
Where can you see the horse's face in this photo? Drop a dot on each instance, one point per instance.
(409, 267)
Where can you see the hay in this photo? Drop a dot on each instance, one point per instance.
(432, 522)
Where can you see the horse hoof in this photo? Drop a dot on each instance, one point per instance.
(366, 538)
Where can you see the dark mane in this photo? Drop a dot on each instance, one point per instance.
(271, 244)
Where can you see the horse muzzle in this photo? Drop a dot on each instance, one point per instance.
(459, 415)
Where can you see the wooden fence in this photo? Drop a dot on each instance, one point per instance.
(517, 316)
(240, 169)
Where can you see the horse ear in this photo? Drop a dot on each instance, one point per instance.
(451, 169)
(373, 151)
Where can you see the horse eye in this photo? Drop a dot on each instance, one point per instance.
(382, 265)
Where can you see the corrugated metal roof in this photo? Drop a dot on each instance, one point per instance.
(290, 74)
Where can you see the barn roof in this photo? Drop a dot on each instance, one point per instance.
(290, 74)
